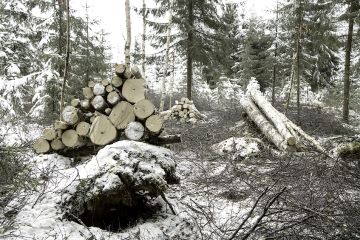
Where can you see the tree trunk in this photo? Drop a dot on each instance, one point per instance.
(168, 39)
(134, 131)
(263, 124)
(143, 56)
(98, 103)
(275, 55)
(273, 115)
(347, 65)
(66, 57)
(298, 52)
(171, 86)
(128, 33)
(102, 131)
(190, 45)
(57, 144)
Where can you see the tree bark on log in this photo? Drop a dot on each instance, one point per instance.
(273, 115)
(134, 131)
(102, 131)
(263, 124)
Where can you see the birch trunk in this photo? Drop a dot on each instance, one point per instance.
(273, 115)
(163, 87)
(171, 86)
(128, 33)
(67, 57)
(143, 41)
(263, 124)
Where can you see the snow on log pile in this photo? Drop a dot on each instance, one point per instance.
(184, 111)
(98, 198)
(277, 128)
(108, 111)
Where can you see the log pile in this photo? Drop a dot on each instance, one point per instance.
(108, 111)
(276, 127)
(184, 111)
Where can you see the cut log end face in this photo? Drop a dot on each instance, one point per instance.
(57, 144)
(113, 98)
(83, 128)
(154, 124)
(49, 134)
(41, 146)
(122, 114)
(70, 138)
(99, 89)
(134, 131)
(98, 103)
(102, 131)
(143, 109)
(134, 90)
(116, 81)
(70, 115)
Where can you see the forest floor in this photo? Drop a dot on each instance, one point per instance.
(265, 194)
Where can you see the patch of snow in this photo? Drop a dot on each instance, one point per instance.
(42, 217)
(238, 147)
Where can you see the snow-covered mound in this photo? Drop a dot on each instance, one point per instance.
(74, 201)
(239, 148)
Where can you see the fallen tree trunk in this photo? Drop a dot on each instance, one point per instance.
(263, 124)
(273, 115)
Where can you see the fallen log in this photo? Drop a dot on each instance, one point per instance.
(163, 140)
(263, 124)
(272, 114)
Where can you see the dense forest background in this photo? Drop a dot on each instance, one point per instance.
(306, 47)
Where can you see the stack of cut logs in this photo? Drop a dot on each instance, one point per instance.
(108, 111)
(184, 111)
